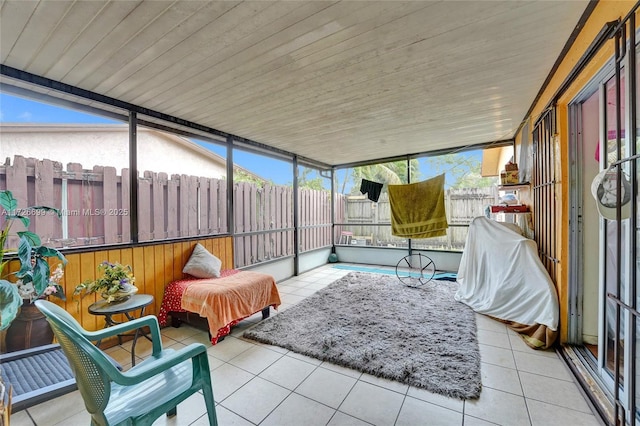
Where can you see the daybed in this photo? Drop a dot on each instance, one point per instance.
(217, 304)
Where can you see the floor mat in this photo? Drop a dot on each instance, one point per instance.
(36, 375)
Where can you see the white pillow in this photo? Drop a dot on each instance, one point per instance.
(202, 264)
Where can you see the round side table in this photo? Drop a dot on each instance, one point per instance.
(128, 308)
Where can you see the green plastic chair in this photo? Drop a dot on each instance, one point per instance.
(143, 393)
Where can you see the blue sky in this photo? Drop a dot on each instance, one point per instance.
(15, 109)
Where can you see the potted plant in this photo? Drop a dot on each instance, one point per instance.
(115, 284)
(33, 280)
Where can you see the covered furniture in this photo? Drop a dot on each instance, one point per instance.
(144, 392)
(223, 301)
(500, 275)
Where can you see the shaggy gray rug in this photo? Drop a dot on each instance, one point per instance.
(374, 324)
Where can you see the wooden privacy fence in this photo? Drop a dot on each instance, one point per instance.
(95, 204)
(96, 209)
(266, 213)
(262, 209)
(461, 205)
(314, 219)
(180, 206)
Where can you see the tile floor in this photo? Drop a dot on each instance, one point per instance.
(256, 384)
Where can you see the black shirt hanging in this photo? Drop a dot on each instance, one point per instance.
(372, 189)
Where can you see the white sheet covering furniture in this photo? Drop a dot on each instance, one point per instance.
(501, 275)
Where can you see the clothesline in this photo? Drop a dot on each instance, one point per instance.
(417, 209)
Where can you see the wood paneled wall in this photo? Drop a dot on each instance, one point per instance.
(154, 266)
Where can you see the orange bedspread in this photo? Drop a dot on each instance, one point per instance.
(222, 300)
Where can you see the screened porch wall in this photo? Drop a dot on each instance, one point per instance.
(153, 265)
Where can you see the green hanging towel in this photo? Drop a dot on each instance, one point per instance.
(417, 209)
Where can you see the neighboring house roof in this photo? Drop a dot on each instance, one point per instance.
(158, 151)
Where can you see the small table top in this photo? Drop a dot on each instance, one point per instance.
(137, 301)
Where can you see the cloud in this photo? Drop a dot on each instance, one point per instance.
(26, 116)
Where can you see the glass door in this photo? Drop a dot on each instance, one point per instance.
(615, 321)
(604, 231)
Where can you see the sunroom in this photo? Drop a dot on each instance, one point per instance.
(250, 128)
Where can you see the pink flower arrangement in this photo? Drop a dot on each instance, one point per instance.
(27, 291)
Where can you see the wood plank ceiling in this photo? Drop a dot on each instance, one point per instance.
(337, 82)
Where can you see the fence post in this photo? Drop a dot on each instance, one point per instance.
(158, 216)
(125, 202)
(110, 203)
(173, 226)
(144, 207)
(44, 196)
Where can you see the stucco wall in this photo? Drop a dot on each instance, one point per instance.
(109, 146)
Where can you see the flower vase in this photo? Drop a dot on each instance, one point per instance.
(121, 295)
(30, 329)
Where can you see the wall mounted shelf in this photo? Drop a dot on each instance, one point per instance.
(514, 186)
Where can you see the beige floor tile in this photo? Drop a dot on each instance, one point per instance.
(553, 391)
(189, 411)
(284, 306)
(288, 372)
(256, 400)
(483, 322)
(342, 370)
(494, 338)
(498, 407)
(287, 288)
(214, 362)
(543, 414)
(270, 347)
(246, 324)
(21, 418)
(80, 419)
(327, 280)
(418, 412)
(304, 358)
(225, 418)
(497, 356)
(255, 359)
(306, 279)
(316, 286)
(291, 298)
(509, 396)
(327, 387)
(474, 421)
(176, 346)
(297, 410)
(501, 378)
(229, 348)
(197, 338)
(435, 398)
(342, 419)
(144, 347)
(179, 333)
(385, 383)
(119, 355)
(227, 379)
(58, 409)
(372, 404)
(306, 291)
(542, 365)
